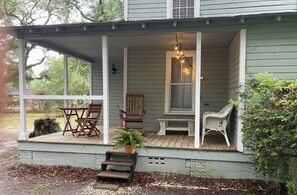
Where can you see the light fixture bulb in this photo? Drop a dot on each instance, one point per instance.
(176, 48)
(177, 57)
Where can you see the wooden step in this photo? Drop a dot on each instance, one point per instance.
(119, 152)
(118, 163)
(114, 175)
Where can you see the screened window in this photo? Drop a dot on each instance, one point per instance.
(179, 95)
(183, 8)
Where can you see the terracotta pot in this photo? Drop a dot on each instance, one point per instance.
(129, 148)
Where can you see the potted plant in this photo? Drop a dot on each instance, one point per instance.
(130, 140)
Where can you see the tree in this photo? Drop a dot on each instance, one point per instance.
(44, 12)
(52, 82)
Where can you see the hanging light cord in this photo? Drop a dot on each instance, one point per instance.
(180, 54)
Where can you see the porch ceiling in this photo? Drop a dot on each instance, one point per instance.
(90, 47)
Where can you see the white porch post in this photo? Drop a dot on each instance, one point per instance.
(125, 77)
(197, 90)
(91, 77)
(242, 58)
(105, 89)
(65, 79)
(23, 135)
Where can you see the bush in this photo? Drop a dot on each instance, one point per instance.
(270, 125)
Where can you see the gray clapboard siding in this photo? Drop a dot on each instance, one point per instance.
(214, 71)
(148, 77)
(146, 10)
(272, 49)
(233, 84)
(115, 88)
(211, 8)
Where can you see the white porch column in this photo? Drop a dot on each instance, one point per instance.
(197, 90)
(105, 89)
(65, 79)
(91, 78)
(242, 59)
(125, 77)
(23, 135)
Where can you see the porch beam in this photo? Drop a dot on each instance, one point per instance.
(105, 89)
(197, 89)
(23, 135)
(62, 97)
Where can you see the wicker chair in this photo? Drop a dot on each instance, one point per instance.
(217, 121)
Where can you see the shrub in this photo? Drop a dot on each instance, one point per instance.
(269, 118)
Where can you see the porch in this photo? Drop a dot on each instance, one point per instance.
(213, 142)
(167, 153)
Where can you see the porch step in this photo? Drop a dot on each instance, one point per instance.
(118, 163)
(118, 158)
(114, 175)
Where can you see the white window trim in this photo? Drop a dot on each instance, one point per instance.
(125, 10)
(169, 9)
(169, 55)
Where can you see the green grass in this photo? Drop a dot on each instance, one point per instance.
(13, 120)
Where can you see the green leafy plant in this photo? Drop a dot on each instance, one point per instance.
(269, 118)
(132, 138)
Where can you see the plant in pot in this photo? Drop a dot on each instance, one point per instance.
(130, 140)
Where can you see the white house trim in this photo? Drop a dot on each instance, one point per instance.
(197, 8)
(169, 7)
(242, 59)
(126, 10)
(197, 90)
(105, 89)
(23, 135)
(65, 79)
(91, 78)
(169, 55)
(125, 77)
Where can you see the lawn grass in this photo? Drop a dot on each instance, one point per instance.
(13, 120)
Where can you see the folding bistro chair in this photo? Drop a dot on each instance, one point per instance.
(90, 121)
(134, 112)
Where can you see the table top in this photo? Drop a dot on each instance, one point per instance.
(74, 108)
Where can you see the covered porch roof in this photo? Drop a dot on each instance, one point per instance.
(84, 40)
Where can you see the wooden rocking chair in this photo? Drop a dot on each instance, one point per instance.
(134, 112)
(90, 121)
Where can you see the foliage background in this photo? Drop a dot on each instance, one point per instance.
(270, 126)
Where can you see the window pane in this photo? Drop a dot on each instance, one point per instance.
(175, 13)
(183, 13)
(190, 3)
(176, 97)
(175, 3)
(187, 71)
(181, 97)
(183, 3)
(175, 71)
(190, 12)
(187, 97)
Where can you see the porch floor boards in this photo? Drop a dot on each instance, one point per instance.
(215, 142)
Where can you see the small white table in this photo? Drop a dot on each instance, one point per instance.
(176, 118)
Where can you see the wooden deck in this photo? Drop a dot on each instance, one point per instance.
(215, 142)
